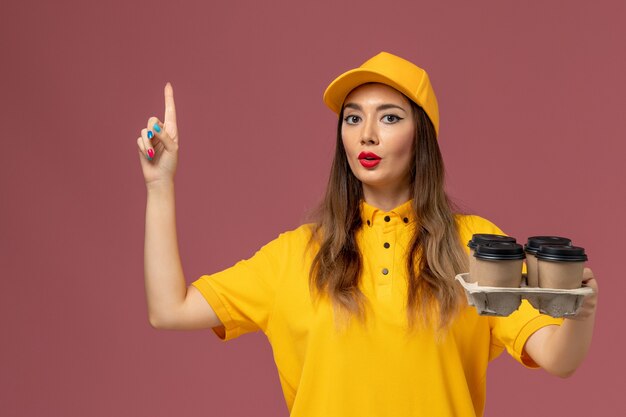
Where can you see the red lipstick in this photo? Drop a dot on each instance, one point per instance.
(369, 159)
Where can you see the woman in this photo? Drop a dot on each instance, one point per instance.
(360, 307)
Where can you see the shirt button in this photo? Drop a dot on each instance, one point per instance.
(385, 271)
(406, 219)
(386, 245)
(387, 218)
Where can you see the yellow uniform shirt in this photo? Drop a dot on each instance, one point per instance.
(376, 370)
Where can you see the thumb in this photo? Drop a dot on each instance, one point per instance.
(163, 136)
(169, 121)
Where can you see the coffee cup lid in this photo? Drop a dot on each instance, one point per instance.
(499, 251)
(482, 238)
(534, 242)
(560, 253)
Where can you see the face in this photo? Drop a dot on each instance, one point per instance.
(378, 131)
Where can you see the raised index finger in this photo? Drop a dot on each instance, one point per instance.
(170, 108)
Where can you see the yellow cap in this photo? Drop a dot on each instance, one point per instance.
(393, 71)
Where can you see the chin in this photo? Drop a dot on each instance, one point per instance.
(378, 180)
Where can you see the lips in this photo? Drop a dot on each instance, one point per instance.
(369, 159)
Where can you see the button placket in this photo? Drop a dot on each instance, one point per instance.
(385, 271)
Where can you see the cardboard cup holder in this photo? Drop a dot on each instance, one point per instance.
(499, 301)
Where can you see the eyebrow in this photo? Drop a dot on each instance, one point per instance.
(379, 108)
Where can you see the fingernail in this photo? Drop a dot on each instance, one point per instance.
(156, 127)
(150, 134)
(151, 153)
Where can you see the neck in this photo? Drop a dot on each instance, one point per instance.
(386, 198)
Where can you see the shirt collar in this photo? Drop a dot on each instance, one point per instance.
(402, 214)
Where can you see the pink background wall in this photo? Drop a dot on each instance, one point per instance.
(532, 112)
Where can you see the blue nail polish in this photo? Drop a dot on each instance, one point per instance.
(156, 127)
(150, 134)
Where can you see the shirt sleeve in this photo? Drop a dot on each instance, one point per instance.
(512, 332)
(243, 295)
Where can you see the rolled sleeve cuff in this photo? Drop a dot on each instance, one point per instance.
(531, 327)
(229, 330)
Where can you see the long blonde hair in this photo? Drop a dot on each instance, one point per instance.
(435, 254)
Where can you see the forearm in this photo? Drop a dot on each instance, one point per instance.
(568, 345)
(561, 349)
(164, 278)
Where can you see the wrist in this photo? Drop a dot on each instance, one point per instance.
(160, 185)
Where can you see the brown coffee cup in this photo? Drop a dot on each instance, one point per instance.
(560, 267)
(498, 264)
(532, 246)
(484, 238)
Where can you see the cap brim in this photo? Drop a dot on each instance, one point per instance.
(341, 86)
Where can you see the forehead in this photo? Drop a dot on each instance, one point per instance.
(376, 93)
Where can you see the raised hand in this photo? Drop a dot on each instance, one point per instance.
(158, 144)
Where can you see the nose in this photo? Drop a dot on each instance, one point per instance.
(369, 134)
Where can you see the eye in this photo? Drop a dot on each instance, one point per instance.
(352, 120)
(391, 118)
